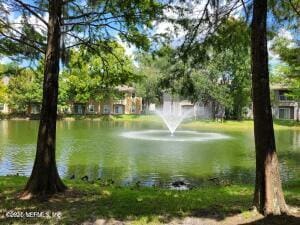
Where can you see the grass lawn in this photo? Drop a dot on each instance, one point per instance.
(209, 124)
(88, 202)
(238, 125)
(189, 123)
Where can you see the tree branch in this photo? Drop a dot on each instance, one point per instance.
(294, 7)
(23, 42)
(28, 8)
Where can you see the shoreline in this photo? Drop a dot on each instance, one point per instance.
(191, 123)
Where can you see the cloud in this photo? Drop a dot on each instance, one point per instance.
(130, 50)
(13, 16)
(284, 33)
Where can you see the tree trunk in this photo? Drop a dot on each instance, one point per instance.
(268, 196)
(44, 179)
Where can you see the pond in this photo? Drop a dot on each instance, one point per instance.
(101, 150)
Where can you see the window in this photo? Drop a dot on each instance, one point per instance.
(133, 95)
(133, 108)
(283, 96)
(106, 109)
(1, 106)
(91, 108)
(118, 109)
(286, 113)
(78, 109)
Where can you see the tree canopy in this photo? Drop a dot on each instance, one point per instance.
(90, 76)
(24, 88)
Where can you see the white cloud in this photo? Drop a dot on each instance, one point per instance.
(284, 33)
(129, 49)
(14, 17)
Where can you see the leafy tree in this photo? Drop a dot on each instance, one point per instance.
(222, 68)
(288, 70)
(286, 13)
(87, 77)
(2, 92)
(268, 196)
(9, 69)
(209, 88)
(218, 72)
(289, 53)
(152, 69)
(23, 89)
(69, 24)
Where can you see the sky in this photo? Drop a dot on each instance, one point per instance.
(163, 27)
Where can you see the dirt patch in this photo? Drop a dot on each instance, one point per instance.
(245, 218)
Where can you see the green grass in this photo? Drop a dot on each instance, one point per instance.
(137, 118)
(237, 125)
(89, 201)
(134, 118)
(191, 123)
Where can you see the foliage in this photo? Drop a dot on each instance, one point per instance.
(231, 56)
(9, 69)
(30, 44)
(24, 88)
(23, 25)
(6, 70)
(87, 76)
(286, 13)
(151, 69)
(2, 92)
(219, 71)
(289, 53)
(92, 76)
(288, 71)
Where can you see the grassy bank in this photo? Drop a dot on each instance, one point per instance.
(209, 124)
(90, 201)
(189, 123)
(237, 125)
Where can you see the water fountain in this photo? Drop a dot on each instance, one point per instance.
(172, 114)
(173, 120)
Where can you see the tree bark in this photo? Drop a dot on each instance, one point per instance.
(44, 179)
(268, 196)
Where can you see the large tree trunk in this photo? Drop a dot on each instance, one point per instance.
(44, 179)
(268, 196)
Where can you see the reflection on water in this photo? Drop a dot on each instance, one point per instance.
(96, 149)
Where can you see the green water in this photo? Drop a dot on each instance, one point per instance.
(98, 150)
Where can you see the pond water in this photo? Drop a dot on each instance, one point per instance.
(101, 150)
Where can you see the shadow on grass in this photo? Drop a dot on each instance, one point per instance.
(276, 220)
(88, 202)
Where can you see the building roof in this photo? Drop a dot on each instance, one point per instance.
(125, 88)
(279, 87)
